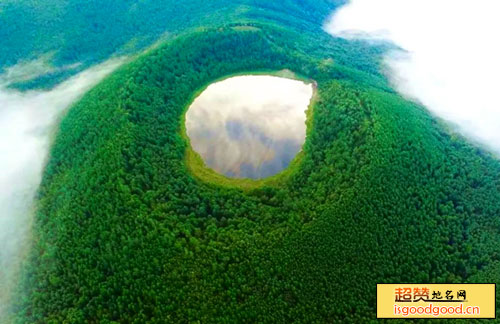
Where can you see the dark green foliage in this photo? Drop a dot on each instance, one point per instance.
(87, 32)
(90, 31)
(124, 233)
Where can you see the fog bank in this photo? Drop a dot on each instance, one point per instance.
(452, 59)
(26, 122)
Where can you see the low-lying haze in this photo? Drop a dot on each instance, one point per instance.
(450, 61)
(27, 120)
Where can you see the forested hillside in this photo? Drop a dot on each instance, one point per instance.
(383, 193)
(72, 35)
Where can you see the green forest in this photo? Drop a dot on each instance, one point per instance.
(87, 32)
(124, 232)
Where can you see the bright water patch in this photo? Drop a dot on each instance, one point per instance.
(249, 126)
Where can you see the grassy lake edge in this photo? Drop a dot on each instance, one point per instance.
(197, 167)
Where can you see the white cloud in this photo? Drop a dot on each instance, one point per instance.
(26, 122)
(452, 59)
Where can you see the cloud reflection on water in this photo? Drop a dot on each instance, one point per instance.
(249, 126)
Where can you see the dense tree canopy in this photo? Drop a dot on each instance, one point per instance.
(383, 193)
(72, 35)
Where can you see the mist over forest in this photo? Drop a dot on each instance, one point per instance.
(450, 66)
(115, 207)
(28, 121)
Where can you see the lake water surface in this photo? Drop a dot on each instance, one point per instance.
(249, 126)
